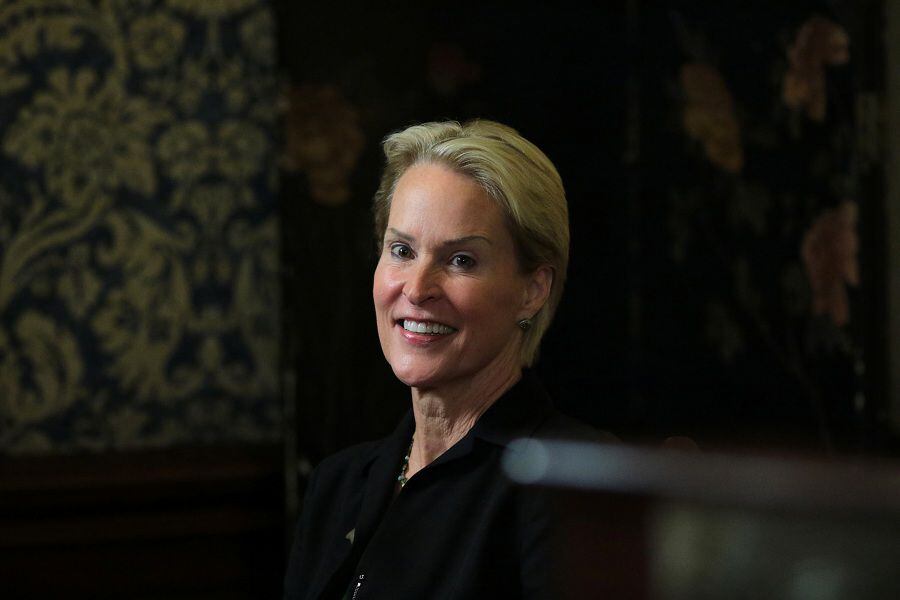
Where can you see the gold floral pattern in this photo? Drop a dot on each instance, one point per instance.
(242, 148)
(258, 37)
(324, 140)
(211, 9)
(90, 138)
(768, 245)
(820, 42)
(140, 323)
(183, 149)
(79, 285)
(709, 116)
(51, 383)
(138, 266)
(156, 40)
(829, 253)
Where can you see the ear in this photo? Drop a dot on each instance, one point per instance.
(537, 290)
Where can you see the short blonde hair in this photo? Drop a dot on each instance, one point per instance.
(515, 173)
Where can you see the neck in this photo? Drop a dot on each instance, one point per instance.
(445, 415)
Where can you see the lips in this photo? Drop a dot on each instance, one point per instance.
(425, 327)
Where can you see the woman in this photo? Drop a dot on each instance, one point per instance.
(472, 226)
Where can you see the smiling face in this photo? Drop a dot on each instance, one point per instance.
(448, 288)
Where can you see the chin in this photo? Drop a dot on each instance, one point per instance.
(418, 376)
(415, 380)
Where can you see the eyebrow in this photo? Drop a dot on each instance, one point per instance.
(453, 242)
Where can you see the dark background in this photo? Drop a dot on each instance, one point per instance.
(690, 309)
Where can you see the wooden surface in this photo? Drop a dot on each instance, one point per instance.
(189, 523)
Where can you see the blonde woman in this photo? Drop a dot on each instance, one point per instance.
(472, 229)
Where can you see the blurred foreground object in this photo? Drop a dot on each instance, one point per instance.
(659, 524)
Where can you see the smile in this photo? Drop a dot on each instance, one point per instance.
(426, 327)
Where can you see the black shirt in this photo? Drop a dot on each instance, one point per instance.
(458, 529)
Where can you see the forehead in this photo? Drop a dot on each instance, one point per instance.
(435, 197)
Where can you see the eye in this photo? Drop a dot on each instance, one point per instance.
(462, 261)
(401, 251)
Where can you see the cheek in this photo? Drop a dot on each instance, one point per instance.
(381, 300)
(384, 289)
(488, 303)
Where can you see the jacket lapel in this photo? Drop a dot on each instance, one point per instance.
(376, 482)
(381, 480)
(517, 413)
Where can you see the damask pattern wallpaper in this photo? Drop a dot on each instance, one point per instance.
(139, 300)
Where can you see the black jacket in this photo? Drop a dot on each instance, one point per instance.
(458, 529)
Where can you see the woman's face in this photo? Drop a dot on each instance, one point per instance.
(448, 289)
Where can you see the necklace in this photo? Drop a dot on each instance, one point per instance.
(405, 466)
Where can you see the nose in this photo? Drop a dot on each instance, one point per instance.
(422, 284)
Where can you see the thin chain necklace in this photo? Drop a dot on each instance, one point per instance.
(402, 478)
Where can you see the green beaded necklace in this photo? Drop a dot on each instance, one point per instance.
(402, 478)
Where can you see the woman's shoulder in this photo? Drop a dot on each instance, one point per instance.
(348, 458)
(559, 426)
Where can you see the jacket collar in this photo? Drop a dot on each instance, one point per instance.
(382, 470)
(378, 478)
(517, 413)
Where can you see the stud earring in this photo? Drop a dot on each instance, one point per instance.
(524, 324)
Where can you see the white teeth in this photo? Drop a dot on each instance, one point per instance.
(426, 327)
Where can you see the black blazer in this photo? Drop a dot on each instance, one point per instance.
(458, 529)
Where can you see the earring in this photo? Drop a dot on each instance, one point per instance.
(524, 324)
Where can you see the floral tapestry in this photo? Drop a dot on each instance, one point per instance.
(138, 231)
(755, 170)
